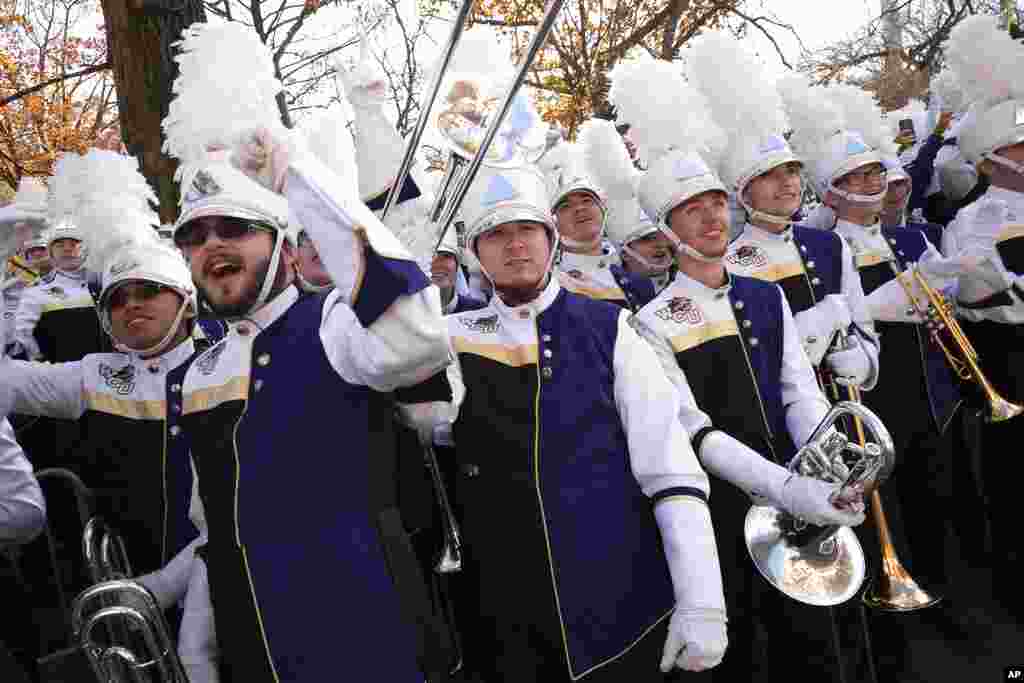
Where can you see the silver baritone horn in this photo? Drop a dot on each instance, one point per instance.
(815, 565)
(117, 621)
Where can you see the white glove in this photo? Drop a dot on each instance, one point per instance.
(264, 155)
(365, 85)
(770, 484)
(816, 501)
(696, 640)
(696, 634)
(818, 324)
(851, 366)
(168, 584)
(197, 637)
(426, 418)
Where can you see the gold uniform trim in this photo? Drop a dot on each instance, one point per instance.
(703, 334)
(132, 409)
(871, 259)
(65, 305)
(1011, 232)
(779, 272)
(514, 356)
(235, 389)
(599, 293)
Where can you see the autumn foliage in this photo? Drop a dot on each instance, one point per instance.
(50, 42)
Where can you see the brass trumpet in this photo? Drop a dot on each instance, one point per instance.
(939, 319)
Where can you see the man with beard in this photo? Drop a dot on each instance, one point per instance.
(567, 437)
(378, 329)
(730, 343)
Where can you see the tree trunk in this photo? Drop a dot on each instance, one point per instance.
(139, 38)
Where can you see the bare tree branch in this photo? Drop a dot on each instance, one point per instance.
(45, 84)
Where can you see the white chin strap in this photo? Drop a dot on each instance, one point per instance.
(268, 280)
(575, 246)
(753, 214)
(1014, 166)
(555, 242)
(655, 267)
(861, 198)
(157, 348)
(687, 249)
(308, 286)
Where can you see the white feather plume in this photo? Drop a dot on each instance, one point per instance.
(95, 176)
(112, 223)
(606, 159)
(813, 116)
(409, 222)
(107, 198)
(986, 61)
(225, 84)
(479, 52)
(861, 114)
(743, 101)
(946, 86)
(664, 111)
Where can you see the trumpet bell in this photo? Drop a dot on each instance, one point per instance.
(896, 591)
(812, 565)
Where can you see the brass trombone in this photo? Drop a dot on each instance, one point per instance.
(938, 317)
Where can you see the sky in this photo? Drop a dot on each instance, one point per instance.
(817, 24)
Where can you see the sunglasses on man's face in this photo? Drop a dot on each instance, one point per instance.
(195, 233)
(139, 291)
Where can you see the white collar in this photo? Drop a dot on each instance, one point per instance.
(686, 282)
(266, 314)
(756, 232)
(848, 227)
(531, 309)
(607, 257)
(168, 360)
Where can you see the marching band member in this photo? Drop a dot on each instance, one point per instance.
(813, 268)
(920, 399)
(730, 346)
(567, 436)
(127, 403)
(644, 250)
(24, 221)
(991, 298)
(380, 328)
(446, 273)
(587, 263)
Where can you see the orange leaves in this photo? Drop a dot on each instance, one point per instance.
(44, 114)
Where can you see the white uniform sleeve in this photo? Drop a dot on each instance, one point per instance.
(802, 399)
(22, 510)
(33, 388)
(406, 342)
(660, 452)
(197, 636)
(25, 320)
(854, 292)
(691, 416)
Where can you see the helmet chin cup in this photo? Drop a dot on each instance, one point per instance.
(681, 246)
